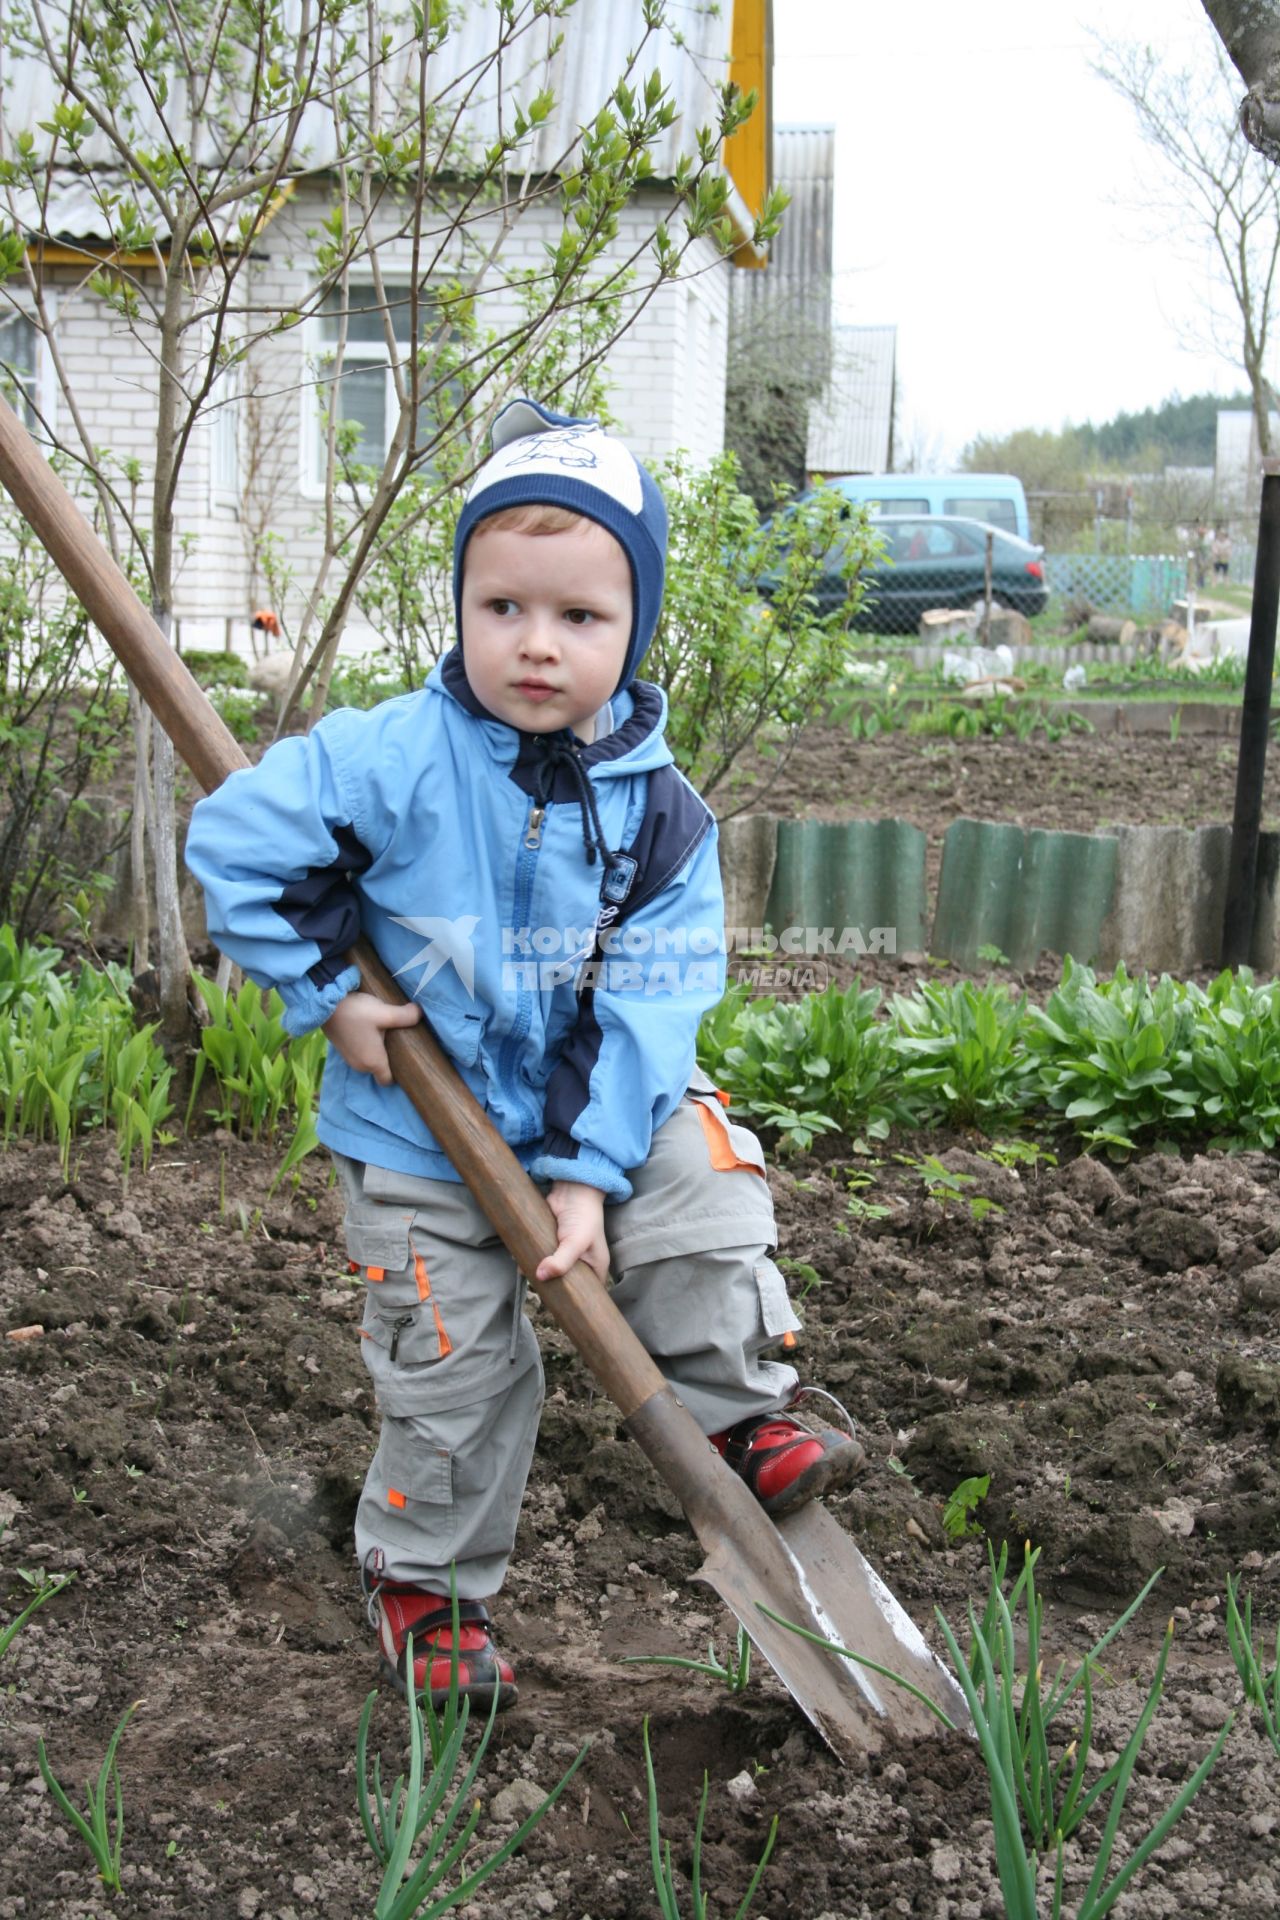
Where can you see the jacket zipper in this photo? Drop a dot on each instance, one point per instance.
(526, 862)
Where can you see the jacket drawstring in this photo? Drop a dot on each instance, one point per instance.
(561, 753)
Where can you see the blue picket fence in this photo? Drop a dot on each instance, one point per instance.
(1141, 586)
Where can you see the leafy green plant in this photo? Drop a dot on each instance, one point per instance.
(215, 669)
(801, 1270)
(964, 1052)
(260, 1073)
(70, 1055)
(1018, 1153)
(741, 648)
(101, 1825)
(962, 1503)
(1116, 1054)
(825, 1054)
(414, 1812)
(1118, 1060)
(660, 1853)
(734, 1676)
(1234, 1057)
(947, 1188)
(1261, 1684)
(857, 1180)
(139, 1095)
(42, 1588)
(60, 727)
(992, 956)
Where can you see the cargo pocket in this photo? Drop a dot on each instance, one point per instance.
(777, 1315)
(458, 1032)
(400, 1315)
(411, 1472)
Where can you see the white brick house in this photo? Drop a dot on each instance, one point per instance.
(255, 461)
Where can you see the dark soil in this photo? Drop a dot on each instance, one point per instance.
(188, 1429)
(188, 1432)
(1082, 783)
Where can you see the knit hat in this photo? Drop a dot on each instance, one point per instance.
(547, 459)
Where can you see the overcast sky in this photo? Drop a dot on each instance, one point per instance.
(987, 201)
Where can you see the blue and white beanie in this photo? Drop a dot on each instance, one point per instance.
(546, 459)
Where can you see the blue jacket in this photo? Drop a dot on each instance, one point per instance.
(567, 994)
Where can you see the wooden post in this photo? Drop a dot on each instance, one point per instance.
(986, 591)
(1255, 724)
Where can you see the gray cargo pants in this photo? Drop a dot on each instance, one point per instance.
(455, 1363)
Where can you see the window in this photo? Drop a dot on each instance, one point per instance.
(924, 540)
(996, 513)
(224, 439)
(18, 364)
(366, 395)
(878, 507)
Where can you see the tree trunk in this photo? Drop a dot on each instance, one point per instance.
(1250, 32)
(141, 828)
(175, 962)
(1106, 630)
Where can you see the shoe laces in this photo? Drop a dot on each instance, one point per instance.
(820, 1393)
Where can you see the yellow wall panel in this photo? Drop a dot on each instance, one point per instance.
(746, 154)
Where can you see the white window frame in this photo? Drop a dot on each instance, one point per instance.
(359, 352)
(224, 421)
(355, 353)
(44, 382)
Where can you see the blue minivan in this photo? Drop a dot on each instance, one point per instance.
(995, 498)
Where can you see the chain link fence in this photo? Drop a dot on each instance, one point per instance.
(1136, 586)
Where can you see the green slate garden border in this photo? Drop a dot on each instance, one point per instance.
(1149, 896)
(858, 878)
(1021, 890)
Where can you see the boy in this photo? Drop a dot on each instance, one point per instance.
(517, 844)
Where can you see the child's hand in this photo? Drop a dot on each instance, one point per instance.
(358, 1026)
(579, 1212)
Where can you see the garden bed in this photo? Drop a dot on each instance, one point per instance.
(1077, 784)
(189, 1432)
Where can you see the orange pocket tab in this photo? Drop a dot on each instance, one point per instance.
(719, 1145)
(424, 1293)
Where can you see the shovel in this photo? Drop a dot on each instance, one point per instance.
(805, 1568)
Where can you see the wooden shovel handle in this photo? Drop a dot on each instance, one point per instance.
(513, 1205)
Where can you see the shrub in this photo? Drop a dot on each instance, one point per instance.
(737, 671)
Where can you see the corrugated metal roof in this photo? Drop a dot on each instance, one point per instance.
(851, 424)
(69, 210)
(798, 275)
(804, 164)
(691, 52)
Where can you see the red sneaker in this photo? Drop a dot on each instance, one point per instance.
(398, 1611)
(786, 1465)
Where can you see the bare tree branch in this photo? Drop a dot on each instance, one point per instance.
(1214, 175)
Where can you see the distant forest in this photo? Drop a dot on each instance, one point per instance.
(1179, 433)
(1183, 430)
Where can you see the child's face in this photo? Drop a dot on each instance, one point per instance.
(546, 622)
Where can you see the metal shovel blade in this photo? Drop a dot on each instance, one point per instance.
(808, 1571)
